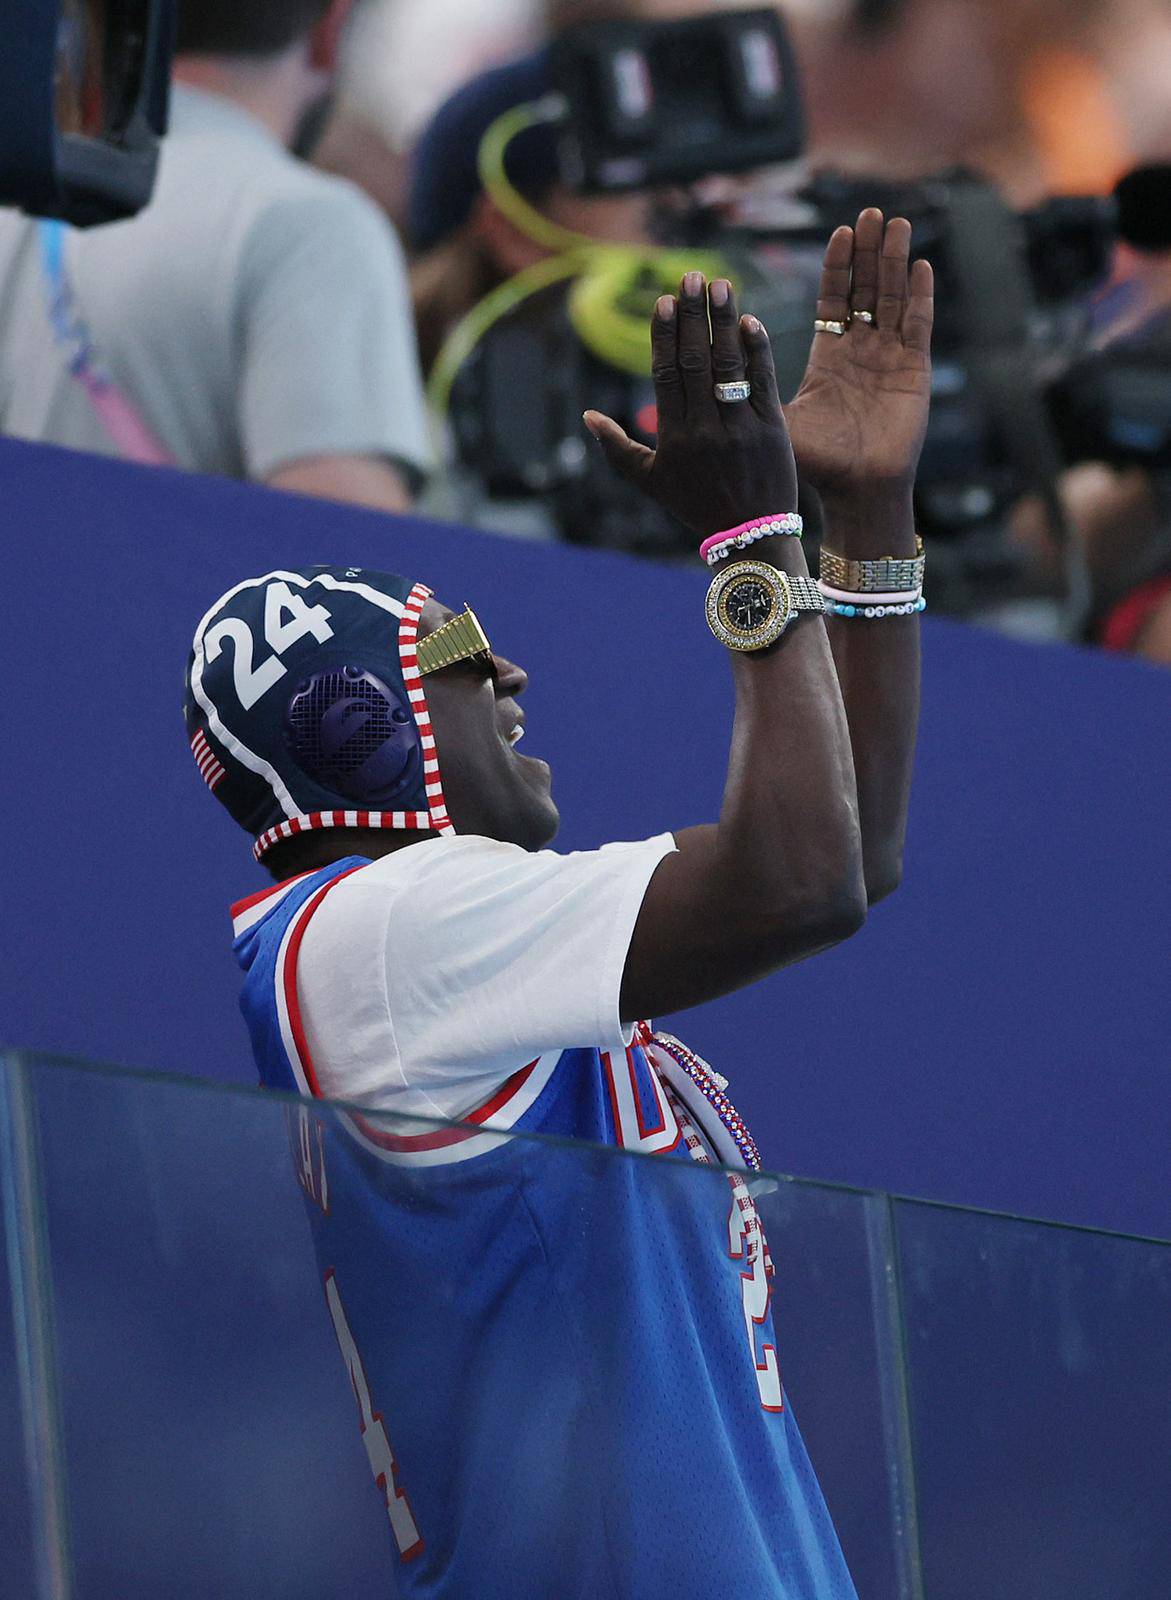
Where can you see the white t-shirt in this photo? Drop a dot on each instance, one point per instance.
(429, 977)
(256, 313)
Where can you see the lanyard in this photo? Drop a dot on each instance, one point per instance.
(124, 425)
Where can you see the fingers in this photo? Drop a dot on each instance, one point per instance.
(727, 348)
(668, 382)
(759, 369)
(833, 298)
(865, 271)
(687, 361)
(868, 236)
(919, 314)
(631, 460)
(892, 276)
(694, 348)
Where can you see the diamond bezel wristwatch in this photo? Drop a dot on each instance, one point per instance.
(787, 596)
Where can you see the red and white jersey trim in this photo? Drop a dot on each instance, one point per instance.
(631, 1128)
(447, 1144)
(247, 913)
(431, 1146)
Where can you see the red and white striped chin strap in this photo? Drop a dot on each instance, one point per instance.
(435, 817)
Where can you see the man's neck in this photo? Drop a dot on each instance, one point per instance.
(310, 852)
(276, 90)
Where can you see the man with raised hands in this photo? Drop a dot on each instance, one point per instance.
(566, 1371)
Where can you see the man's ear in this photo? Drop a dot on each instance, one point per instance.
(509, 248)
(326, 37)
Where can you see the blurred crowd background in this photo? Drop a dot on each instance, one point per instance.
(329, 292)
(1044, 96)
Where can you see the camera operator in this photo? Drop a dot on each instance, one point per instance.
(473, 257)
(464, 244)
(252, 320)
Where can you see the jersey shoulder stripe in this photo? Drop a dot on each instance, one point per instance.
(286, 978)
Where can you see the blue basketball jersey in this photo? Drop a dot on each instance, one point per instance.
(564, 1362)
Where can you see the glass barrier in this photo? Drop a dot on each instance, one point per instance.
(17, 1521)
(985, 1401)
(837, 1328)
(1039, 1370)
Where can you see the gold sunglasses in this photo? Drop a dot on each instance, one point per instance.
(461, 639)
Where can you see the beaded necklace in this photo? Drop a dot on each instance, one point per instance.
(712, 1086)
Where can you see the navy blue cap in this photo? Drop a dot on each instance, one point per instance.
(445, 179)
(305, 707)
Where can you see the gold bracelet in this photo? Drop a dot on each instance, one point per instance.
(887, 575)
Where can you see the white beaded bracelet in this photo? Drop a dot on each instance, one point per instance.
(714, 550)
(855, 599)
(834, 608)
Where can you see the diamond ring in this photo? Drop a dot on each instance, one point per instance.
(730, 392)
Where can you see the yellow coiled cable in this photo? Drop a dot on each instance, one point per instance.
(615, 285)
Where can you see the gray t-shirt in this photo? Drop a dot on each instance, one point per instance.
(256, 313)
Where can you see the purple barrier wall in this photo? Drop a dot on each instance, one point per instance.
(996, 1035)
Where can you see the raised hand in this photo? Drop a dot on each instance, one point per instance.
(859, 417)
(717, 463)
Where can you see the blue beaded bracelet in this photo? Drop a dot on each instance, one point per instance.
(834, 608)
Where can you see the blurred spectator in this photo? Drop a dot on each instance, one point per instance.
(1121, 513)
(255, 317)
(1037, 95)
(351, 146)
(402, 58)
(1134, 37)
(1137, 301)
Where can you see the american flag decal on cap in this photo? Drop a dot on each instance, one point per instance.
(210, 769)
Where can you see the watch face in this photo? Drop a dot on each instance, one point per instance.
(749, 605)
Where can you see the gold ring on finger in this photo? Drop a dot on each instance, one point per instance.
(863, 316)
(822, 325)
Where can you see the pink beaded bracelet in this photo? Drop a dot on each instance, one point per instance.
(718, 546)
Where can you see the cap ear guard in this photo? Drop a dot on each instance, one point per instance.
(353, 735)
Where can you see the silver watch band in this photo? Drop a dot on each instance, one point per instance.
(806, 595)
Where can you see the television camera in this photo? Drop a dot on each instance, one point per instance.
(83, 105)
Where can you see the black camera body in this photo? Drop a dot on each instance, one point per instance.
(84, 94)
(1011, 296)
(670, 102)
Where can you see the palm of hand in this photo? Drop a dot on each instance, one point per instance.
(861, 410)
(860, 415)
